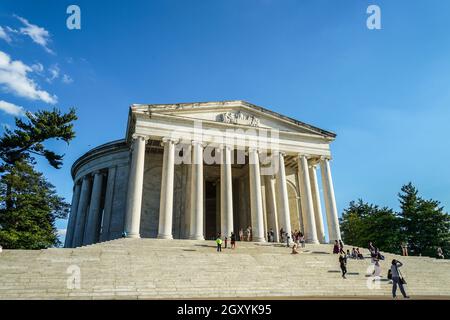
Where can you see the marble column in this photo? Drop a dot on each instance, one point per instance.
(135, 184)
(197, 228)
(256, 206)
(283, 204)
(307, 203)
(92, 231)
(334, 232)
(73, 215)
(316, 203)
(226, 193)
(80, 223)
(109, 198)
(271, 205)
(187, 208)
(166, 200)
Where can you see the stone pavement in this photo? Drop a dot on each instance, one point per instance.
(180, 269)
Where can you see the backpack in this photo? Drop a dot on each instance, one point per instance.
(389, 275)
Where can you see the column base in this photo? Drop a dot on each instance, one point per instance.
(259, 239)
(312, 241)
(134, 235)
(196, 238)
(165, 236)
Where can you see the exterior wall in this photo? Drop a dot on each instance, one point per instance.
(111, 159)
(119, 202)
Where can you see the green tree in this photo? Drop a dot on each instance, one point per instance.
(30, 222)
(29, 205)
(425, 224)
(362, 222)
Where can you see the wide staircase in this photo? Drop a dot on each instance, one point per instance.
(152, 269)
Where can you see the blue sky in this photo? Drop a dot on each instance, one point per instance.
(384, 92)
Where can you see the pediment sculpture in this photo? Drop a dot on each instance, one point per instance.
(239, 118)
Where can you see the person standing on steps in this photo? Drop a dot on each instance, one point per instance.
(343, 264)
(233, 240)
(336, 247)
(440, 253)
(219, 243)
(241, 235)
(404, 246)
(302, 239)
(397, 279)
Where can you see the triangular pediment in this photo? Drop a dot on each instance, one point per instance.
(237, 113)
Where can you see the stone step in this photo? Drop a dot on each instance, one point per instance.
(151, 268)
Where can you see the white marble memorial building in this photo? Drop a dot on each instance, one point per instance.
(192, 170)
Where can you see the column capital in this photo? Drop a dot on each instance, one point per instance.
(169, 140)
(323, 158)
(196, 142)
(304, 155)
(135, 136)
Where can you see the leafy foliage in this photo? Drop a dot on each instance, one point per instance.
(30, 222)
(29, 204)
(28, 137)
(362, 222)
(423, 224)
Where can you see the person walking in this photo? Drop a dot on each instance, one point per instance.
(219, 244)
(343, 264)
(371, 247)
(272, 235)
(341, 247)
(226, 242)
(376, 270)
(281, 235)
(233, 240)
(397, 279)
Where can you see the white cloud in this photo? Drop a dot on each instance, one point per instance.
(38, 34)
(54, 72)
(11, 108)
(67, 79)
(37, 67)
(14, 78)
(4, 35)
